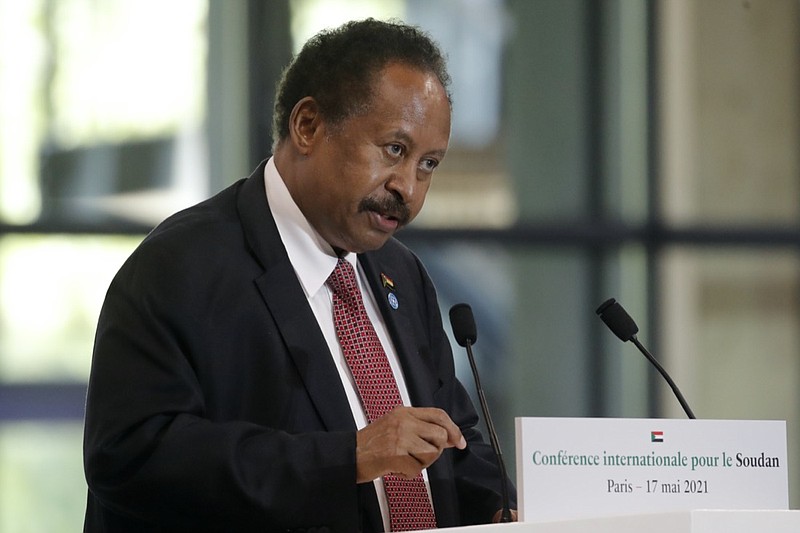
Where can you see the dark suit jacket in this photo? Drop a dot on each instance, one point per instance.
(214, 403)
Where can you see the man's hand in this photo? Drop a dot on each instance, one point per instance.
(404, 441)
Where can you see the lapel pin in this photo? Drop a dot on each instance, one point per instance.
(393, 300)
(387, 281)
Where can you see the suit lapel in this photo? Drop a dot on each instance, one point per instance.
(306, 345)
(287, 303)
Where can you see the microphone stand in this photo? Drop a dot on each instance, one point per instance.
(505, 515)
(666, 376)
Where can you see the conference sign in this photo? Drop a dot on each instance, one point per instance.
(570, 468)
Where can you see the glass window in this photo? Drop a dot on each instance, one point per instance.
(103, 109)
(731, 112)
(310, 16)
(730, 127)
(41, 477)
(85, 85)
(51, 290)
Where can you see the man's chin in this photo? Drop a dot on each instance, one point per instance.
(368, 243)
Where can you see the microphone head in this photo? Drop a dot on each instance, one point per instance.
(617, 320)
(463, 324)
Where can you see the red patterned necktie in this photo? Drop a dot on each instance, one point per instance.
(409, 505)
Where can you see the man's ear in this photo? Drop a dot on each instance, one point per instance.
(304, 124)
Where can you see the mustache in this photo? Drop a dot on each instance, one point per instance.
(391, 206)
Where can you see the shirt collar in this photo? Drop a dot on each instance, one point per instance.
(313, 259)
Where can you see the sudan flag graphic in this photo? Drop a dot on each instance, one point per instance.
(656, 436)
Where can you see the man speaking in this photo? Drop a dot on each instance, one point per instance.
(272, 359)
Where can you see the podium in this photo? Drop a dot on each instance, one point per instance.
(700, 521)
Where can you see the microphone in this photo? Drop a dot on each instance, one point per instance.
(465, 332)
(623, 326)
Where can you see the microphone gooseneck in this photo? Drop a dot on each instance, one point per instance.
(466, 333)
(623, 326)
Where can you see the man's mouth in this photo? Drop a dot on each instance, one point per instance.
(385, 222)
(390, 214)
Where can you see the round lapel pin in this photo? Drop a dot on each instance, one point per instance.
(393, 301)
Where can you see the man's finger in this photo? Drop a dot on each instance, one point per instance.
(404, 441)
(439, 418)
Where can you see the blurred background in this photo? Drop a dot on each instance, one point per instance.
(647, 150)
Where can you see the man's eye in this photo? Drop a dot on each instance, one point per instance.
(395, 149)
(428, 165)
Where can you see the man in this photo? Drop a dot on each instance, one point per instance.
(229, 389)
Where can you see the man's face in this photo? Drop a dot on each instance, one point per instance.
(369, 175)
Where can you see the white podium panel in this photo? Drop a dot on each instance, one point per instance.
(701, 521)
(582, 468)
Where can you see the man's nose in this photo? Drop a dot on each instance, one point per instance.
(403, 181)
